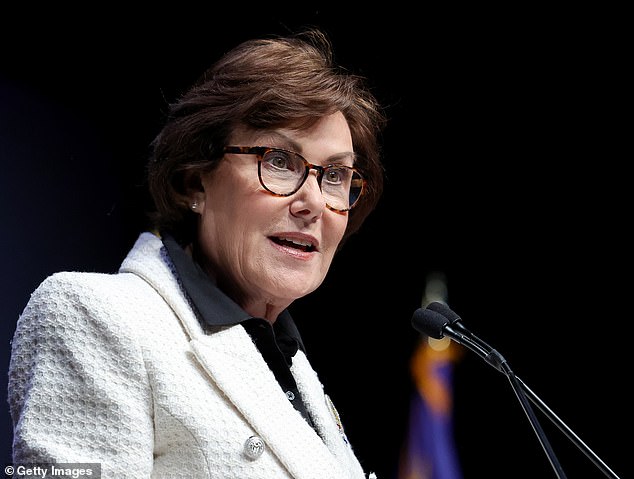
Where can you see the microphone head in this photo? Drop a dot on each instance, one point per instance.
(429, 322)
(445, 310)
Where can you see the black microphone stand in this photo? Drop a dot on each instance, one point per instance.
(438, 320)
(519, 392)
(567, 431)
(496, 360)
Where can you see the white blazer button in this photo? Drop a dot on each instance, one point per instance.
(254, 447)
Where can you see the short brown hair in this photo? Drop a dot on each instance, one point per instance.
(277, 82)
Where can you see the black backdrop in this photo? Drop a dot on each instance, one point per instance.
(503, 172)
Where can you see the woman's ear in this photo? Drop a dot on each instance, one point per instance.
(194, 191)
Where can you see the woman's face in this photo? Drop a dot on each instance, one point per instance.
(264, 250)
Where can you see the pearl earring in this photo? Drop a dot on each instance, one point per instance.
(194, 205)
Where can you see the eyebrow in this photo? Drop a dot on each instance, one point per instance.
(290, 144)
(287, 142)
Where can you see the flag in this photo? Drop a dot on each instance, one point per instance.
(429, 451)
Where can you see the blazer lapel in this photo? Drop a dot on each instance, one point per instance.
(149, 260)
(324, 414)
(235, 365)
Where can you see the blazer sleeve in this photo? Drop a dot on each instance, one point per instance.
(78, 391)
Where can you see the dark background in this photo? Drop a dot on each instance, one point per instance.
(506, 171)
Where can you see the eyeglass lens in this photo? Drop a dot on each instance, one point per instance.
(283, 173)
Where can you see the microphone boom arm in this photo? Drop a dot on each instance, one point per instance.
(453, 327)
(566, 430)
(496, 360)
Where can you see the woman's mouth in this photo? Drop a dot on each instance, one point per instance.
(300, 244)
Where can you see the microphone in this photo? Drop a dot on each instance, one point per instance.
(439, 320)
(436, 325)
(456, 323)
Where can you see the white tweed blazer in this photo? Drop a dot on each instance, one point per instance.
(116, 369)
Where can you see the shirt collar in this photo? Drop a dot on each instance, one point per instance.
(214, 307)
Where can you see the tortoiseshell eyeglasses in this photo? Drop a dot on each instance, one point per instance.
(283, 172)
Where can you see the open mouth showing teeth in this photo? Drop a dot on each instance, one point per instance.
(294, 243)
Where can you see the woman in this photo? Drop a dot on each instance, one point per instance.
(187, 363)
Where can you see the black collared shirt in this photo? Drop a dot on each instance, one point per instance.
(277, 342)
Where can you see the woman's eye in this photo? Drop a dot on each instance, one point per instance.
(277, 160)
(283, 160)
(280, 161)
(336, 176)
